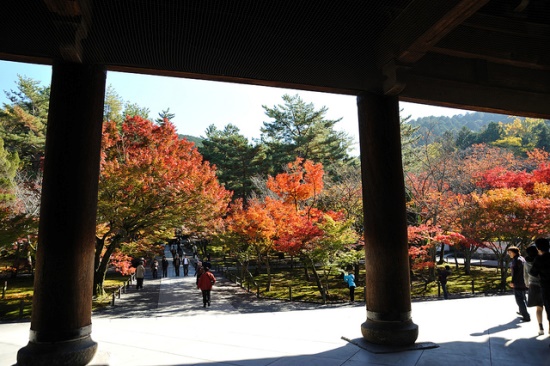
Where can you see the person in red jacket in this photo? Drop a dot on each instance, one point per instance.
(205, 283)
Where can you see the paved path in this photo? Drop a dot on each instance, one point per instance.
(165, 324)
(179, 296)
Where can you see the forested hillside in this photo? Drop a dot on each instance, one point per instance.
(474, 121)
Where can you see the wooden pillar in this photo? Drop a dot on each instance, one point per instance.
(61, 320)
(386, 252)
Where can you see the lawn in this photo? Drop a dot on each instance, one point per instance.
(17, 301)
(287, 283)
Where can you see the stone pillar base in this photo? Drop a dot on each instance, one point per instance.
(392, 333)
(75, 353)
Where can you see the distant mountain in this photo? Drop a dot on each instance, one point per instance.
(475, 121)
(196, 140)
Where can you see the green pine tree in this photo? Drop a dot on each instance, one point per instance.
(297, 129)
(236, 160)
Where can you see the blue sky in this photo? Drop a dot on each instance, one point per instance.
(198, 103)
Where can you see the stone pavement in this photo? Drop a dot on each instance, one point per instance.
(165, 324)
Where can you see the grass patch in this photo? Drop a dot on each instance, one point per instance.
(292, 282)
(480, 280)
(112, 283)
(485, 280)
(17, 303)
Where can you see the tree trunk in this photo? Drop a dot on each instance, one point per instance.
(441, 254)
(467, 262)
(431, 271)
(467, 267)
(306, 272)
(317, 279)
(103, 263)
(268, 269)
(503, 275)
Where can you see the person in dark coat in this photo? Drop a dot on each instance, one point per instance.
(155, 268)
(164, 264)
(518, 281)
(442, 278)
(534, 296)
(541, 268)
(177, 263)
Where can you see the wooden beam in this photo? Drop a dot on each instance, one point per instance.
(77, 17)
(68, 8)
(421, 25)
(476, 97)
(509, 48)
(478, 85)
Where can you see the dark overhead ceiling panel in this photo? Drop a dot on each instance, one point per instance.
(401, 47)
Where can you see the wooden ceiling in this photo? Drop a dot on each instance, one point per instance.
(486, 55)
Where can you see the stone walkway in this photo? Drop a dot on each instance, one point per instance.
(179, 296)
(165, 324)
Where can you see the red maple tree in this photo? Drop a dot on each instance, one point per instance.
(151, 181)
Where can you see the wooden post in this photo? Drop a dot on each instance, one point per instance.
(290, 293)
(61, 323)
(4, 289)
(386, 248)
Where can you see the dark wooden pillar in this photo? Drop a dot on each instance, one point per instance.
(62, 303)
(386, 253)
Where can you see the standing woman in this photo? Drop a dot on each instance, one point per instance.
(140, 275)
(534, 295)
(350, 280)
(205, 283)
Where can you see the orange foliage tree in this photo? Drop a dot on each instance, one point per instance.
(255, 225)
(288, 221)
(314, 235)
(150, 182)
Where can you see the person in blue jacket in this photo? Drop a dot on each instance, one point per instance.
(350, 280)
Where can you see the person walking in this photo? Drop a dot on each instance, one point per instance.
(164, 264)
(442, 278)
(140, 275)
(534, 296)
(177, 263)
(518, 282)
(205, 283)
(541, 268)
(155, 268)
(206, 262)
(185, 266)
(350, 280)
(198, 267)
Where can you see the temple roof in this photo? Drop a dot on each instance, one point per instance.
(471, 54)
